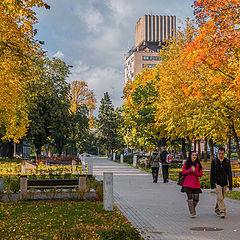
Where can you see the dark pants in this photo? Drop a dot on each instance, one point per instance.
(165, 172)
(155, 171)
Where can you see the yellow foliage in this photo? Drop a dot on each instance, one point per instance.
(17, 48)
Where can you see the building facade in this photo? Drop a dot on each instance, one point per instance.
(21, 149)
(151, 32)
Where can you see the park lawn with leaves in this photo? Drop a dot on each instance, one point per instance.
(63, 220)
(10, 171)
(233, 194)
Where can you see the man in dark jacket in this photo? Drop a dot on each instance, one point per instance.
(165, 165)
(154, 161)
(221, 175)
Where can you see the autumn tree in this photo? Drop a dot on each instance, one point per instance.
(195, 89)
(83, 103)
(216, 46)
(82, 95)
(17, 49)
(139, 109)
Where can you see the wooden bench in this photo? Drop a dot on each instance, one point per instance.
(28, 165)
(27, 184)
(60, 163)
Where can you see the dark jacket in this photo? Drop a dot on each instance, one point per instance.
(154, 161)
(164, 158)
(221, 173)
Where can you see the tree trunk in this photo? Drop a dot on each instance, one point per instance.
(75, 148)
(38, 152)
(199, 150)
(59, 146)
(164, 142)
(195, 145)
(236, 142)
(189, 144)
(229, 145)
(71, 147)
(211, 149)
(205, 150)
(184, 154)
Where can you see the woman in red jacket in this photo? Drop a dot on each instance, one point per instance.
(192, 170)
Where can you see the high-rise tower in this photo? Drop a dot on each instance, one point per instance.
(150, 34)
(154, 29)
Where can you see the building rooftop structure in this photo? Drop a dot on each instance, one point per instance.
(151, 33)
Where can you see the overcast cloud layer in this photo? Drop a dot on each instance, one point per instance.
(94, 35)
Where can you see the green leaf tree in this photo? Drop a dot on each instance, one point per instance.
(107, 126)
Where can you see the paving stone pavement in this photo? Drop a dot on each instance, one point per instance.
(159, 210)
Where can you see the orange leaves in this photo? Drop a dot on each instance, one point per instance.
(184, 86)
(185, 90)
(82, 95)
(218, 36)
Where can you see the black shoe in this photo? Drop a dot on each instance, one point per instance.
(222, 216)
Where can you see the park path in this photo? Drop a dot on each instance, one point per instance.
(159, 211)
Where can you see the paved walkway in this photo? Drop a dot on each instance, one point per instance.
(160, 210)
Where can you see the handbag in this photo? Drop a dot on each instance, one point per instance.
(181, 178)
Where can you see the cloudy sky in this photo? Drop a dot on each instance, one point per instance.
(94, 35)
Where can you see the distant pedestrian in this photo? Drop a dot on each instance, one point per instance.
(165, 164)
(221, 175)
(192, 170)
(154, 161)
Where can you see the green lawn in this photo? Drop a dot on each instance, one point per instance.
(62, 220)
(233, 194)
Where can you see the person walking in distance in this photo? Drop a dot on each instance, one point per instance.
(221, 175)
(165, 164)
(192, 170)
(154, 161)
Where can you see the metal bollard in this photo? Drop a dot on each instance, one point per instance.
(134, 161)
(108, 191)
(83, 161)
(121, 159)
(90, 166)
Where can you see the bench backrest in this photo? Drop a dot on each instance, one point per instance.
(52, 182)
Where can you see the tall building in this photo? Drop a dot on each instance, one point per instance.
(150, 34)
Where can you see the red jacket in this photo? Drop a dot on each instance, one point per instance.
(191, 178)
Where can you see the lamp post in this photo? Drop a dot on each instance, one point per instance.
(144, 140)
(127, 141)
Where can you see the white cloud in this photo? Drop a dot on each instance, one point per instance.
(58, 54)
(91, 17)
(79, 67)
(121, 8)
(100, 80)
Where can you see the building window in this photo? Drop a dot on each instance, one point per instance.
(150, 58)
(148, 65)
